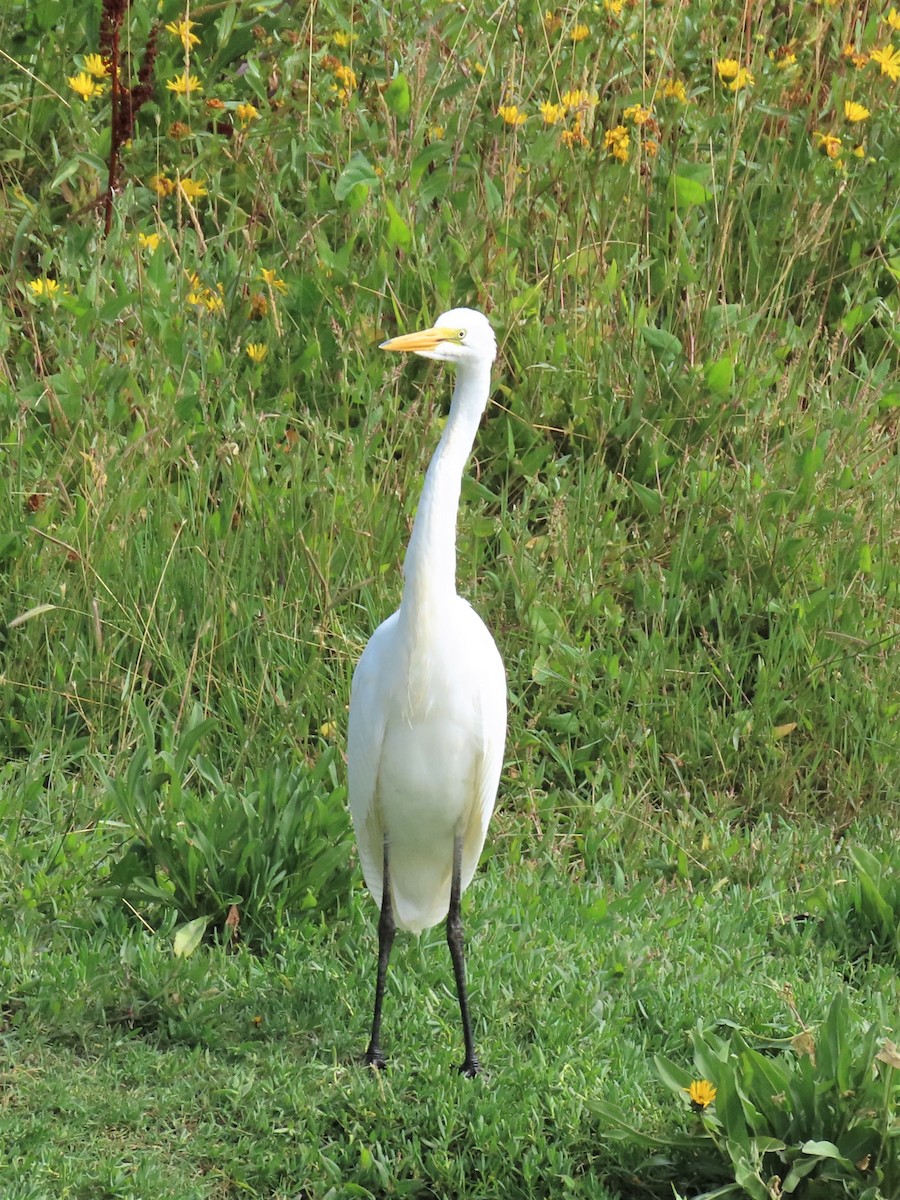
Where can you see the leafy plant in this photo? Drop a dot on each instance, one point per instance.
(225, 857)
(814, 1119)
(862, 916)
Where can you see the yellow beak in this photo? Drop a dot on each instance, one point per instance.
(425, 339)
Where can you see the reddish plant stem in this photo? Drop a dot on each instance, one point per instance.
(115, 126)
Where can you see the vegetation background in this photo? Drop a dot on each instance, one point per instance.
(681, 522)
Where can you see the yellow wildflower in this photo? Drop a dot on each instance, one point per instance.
(856, 56)
(182, 30)
(43, 287)
(887, 58)
(578, 98)
(436, 133)
(855, 112)
(893, 18)
(827, 142)
(651, 147)
(96, 65)
(701, 1093)
(579, 32)
(638, 114)
(859, 151)
(727, 68)
(270, 277)
(783, 58)
(511, 115)
(259, 306)
(552, 22)
(256, 351)
(184, 85)
(674, 89)
(149, 241)
(616, 142)
(614, 6)
(552, 113)
(574, 136)
(85, 87)
(345, 76)
(342, 39)
(193, 189)
(162, 185)
(246, 113)
(744, 78)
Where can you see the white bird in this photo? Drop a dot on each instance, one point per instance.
(428, 702)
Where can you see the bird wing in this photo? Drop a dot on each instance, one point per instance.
(365, 740)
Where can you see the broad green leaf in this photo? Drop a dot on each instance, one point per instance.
(358, 173)
(398, 232)
(686, 192)
(396, 96)
(189, 936)
(719, 376)
(661, 341)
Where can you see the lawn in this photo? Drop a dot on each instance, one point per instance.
(681, 522)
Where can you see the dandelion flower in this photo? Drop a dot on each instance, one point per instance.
(552, 113)
(183, 85)
(96, 65)
(616, 142)
(43, 287)
(744, 78)
(149, 241)
(193, 189)
(436, 133)
(674, 89)
(85, 87)
(579, 32)
(256, 351)
(856, 56)
(182, 30)
(162, 185)
(701, 1093)
(887, 58)
(727, 68)
(855, 112)
(638, 114)
(343, 39)
(511, 115)
(614, 6)
(270, 277)
(828, 143)
(578, 98)
(892, 17)
(246, 113)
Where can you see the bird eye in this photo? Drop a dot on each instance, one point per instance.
(461, 334)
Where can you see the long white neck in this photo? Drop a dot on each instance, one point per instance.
(430, 566)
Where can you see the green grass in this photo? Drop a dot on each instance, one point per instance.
(681, 522)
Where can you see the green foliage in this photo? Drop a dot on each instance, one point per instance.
(210, 851)
(816, 1119)
(862, 913)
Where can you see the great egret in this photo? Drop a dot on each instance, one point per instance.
(428, 702)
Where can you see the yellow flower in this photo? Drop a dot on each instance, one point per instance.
(673, 89)
(783, 58)
(579, 32)
(856, 57)
(270, 277)
(859, 151)
(828, 142)
(578, 98)
(96, 65)
(179, 130)
(43, 287)
(614, 6)
(701, 1093)
(149, 241)
(744, 78)
(436, 133)
(193, 189)
(182, 30)
(342, 39)
(727, 68)
(183, 85)
(246, 113)
(638, 114)
(651, 147)
(552, 113)
(346, 76)
(551, 21)
(616, 142)
(511, 115)
(574, 136)
(162, 185)
(893, 18)
(256, 351)
(855, 112)
(887, 58)
(84, 86)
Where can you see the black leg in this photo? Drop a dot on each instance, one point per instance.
(471, 1066)
(386, 931)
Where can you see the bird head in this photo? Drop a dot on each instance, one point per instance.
(462, 336)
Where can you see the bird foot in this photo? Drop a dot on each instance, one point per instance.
(470, 1068)
(374, 1058)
